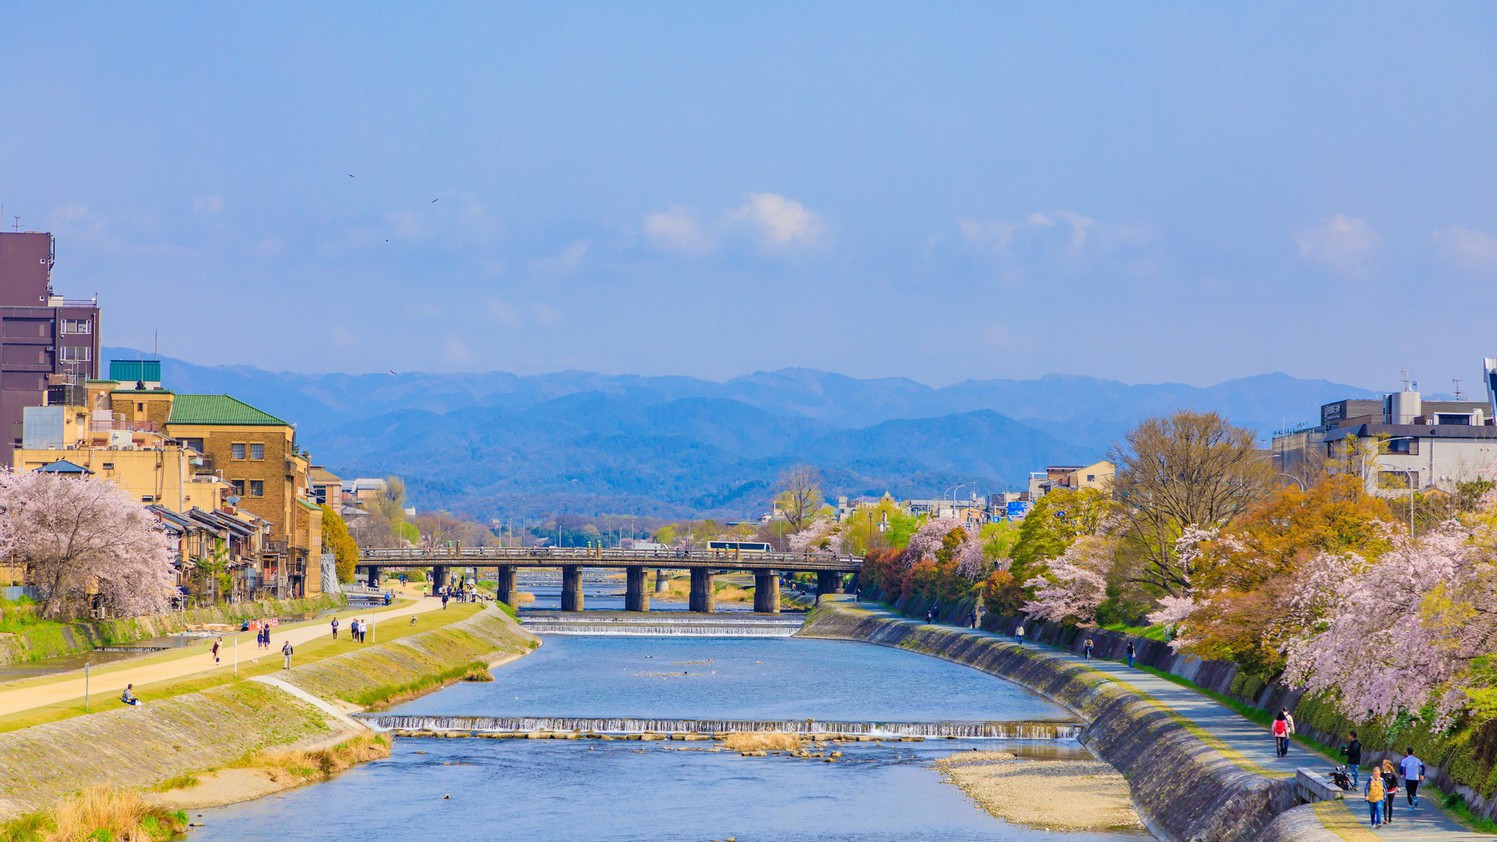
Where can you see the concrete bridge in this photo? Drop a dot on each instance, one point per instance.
(703, 564)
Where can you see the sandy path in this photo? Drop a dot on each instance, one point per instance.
(105, 687)
(1066, 795)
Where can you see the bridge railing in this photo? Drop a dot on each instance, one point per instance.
(578, 555)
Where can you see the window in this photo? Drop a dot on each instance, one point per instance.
(108, 466)
(257, 488)
(195, 444)
(75, 353)
(77, 327)
(1091, 477)
(1397, 479)
(238, 487)
(1404, 445)
(257, 451)
(238, 450)
(147, 499)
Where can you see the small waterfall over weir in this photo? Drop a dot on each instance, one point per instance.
(582, 725)
(673, 624)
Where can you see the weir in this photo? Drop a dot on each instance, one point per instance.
(662, 623)
(475, 725)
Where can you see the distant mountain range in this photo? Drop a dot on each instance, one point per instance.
(510, 446)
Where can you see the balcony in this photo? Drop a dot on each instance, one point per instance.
(124, 426)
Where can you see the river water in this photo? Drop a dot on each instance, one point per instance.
(543, 790)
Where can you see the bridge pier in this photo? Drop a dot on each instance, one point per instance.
(373, 576)
(506, 590)
(571, 587)
(828, 581)
(659, 580)
(701, 591)
(636, 596)
(438, 578)
(766, 592)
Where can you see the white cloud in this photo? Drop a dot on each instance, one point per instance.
(988, 234)
(1344, 243)
(1002, 237)
(208, 205)
(343, 337)
(547, 316)
(678, 230)
(457, 352)
(779, 223)
(1468, 248)
(504, 313)
(564, 262)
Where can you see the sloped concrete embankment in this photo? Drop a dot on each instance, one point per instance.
(1185, 789)
(197, 732)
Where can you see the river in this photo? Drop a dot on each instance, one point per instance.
(462, 789)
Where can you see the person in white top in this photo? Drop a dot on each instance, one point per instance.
(1412, 769)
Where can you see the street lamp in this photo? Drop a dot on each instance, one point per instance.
(1408, 478)
(951, 492)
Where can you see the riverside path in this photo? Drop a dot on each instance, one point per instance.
(1252, 747)
(105, 684)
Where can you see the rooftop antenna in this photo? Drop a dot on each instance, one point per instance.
(156, 345)
(1405, 374)
(1459, 395)
(17, 223)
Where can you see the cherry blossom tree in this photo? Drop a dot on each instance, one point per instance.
(79, 537)
(1076, 582)
(929, 539)
(1404, 632)
(821, 536)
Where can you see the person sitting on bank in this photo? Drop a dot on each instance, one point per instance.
(128, 697)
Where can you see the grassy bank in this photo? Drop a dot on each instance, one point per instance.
(103, 813)
(306, 654)
(26, 637)
(184, 742)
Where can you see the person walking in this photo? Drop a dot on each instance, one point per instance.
(1390, 788)
(1289, 717)
(1374, 795)
(1131, 653)
(1281, 734)
(286, 652)
(1353, 752)
(444, 599)
(335, 628)
(363, 628)
(1413, 774)
(1019, 634)
(217, 642)
(1088, 649)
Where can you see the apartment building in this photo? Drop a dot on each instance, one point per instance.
(48, 343)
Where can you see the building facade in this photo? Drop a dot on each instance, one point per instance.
(47, 343)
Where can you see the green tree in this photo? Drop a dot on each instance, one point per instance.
(1054, 522)
(337, 540)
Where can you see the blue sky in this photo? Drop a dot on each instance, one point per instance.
(940, 191)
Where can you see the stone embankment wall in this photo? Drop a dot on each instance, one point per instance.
(1184, 789)
(50, 640)
(1315, 717)
(197, 732)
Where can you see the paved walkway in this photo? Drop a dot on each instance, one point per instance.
(195, 660)
(1251, 745)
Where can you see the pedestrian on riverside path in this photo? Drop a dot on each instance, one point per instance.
(217, 642)
(1131, 653)
(286, 652)
(1413, 774)
(1088, 649)
(1390, 789)
(972, 619)
(1281, 734)
(444, 600)
(1353, 752)
(335, 628)
(1374, 796)
(1289, 717)
(1019, 634)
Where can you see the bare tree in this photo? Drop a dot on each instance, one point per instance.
(1192, 469)
(798, 495)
